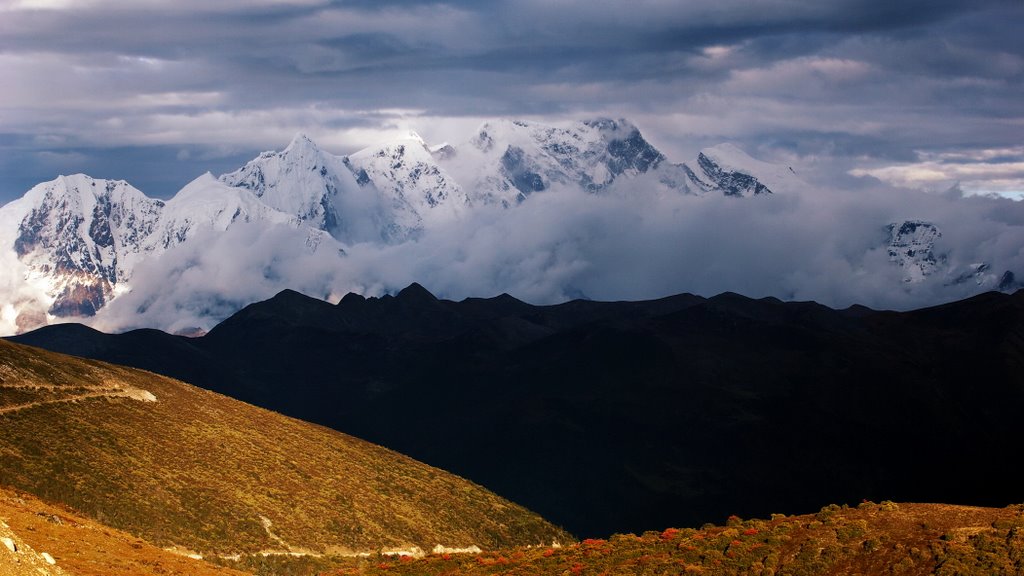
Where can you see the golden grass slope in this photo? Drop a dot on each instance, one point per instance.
(181, 466)
(19, 559)
(81, 547)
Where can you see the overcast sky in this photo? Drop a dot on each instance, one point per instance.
(918, 93)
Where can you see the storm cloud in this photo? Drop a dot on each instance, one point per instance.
(921, 94)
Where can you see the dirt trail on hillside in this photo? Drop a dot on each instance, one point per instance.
(133, 393)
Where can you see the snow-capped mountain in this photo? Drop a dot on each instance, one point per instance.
(71, 246)
(508, 160)
(911, 246)
(208, 204)
(728, 170)
(318, 189)
(300, 180)
(411, 183)
(77, 238)
(76, 241)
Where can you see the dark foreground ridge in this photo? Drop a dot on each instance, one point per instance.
(630, 416)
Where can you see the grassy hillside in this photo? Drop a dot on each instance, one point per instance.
(872, 539)
(177, 465)
(80, 546)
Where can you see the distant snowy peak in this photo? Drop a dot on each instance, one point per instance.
(508, 160)
(84, 222)
(300, 180)
(912, 247)
(626, 150)
(76, 234)
(336, 195)
(414, 186)
(76, 241)
(730, 171)
(207, 203)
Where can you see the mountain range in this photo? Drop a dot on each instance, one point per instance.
(73, 245)
(629, 416)
(77, 240)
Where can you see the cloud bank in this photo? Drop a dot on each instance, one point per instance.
(825, 245)
(158, 91)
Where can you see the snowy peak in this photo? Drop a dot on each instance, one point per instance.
(301, 145)
(413, 136)
(206, 203)
(75, 241)
(83, 222)
(72, 234)
(911, 246)
(628, 151)
(730, 182)
(508, 160)
(320, 190)
(414, 187)
(300, 180)
(728, 170)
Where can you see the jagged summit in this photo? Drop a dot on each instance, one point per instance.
(506, 161)
(414, 136)
(911, 246)
(300, 142)
(299, 180)
(417, 190)
(735, 172)
(81, 235)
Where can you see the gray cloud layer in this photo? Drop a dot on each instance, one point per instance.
(919, 93)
